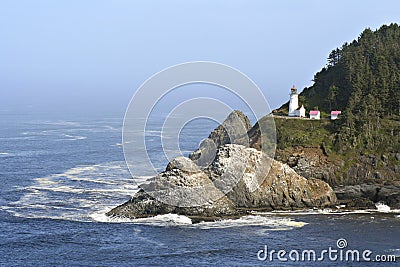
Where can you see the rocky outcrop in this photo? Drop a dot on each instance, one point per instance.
(181, 189)
(309, 162)
(360, 186)
(232, 131)
(239, 179)
(365, 195)
(266, 183)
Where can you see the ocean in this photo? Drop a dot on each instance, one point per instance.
(59, 177)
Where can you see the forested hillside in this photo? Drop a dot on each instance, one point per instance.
(362, 79)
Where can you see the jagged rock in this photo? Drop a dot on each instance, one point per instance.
(232, 131)
(239, 179)
(358, 170)
(393, 200)
(282, 188)
(388, 194)
(397, 156)
(143, 205)
(310, 162)
(359, 203)
(205, 154)
(368, 191)
(182, 189)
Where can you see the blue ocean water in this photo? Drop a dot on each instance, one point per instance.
(59, 176)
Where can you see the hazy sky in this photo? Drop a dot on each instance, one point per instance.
(70, 54)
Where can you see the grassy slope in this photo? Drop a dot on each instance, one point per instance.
(320, 134)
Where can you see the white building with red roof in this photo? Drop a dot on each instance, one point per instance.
(335, 114)
(315, 114)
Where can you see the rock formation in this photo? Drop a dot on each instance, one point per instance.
(232, 131)
(365, 195)
(236, 181)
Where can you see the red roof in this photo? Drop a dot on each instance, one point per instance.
(335, 112)
(314, 112)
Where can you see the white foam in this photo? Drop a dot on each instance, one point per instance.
(73, 137)
(165, 220)
(17, 138)
(159, 220)
(382, 208)
(4, 153)
(153, 133)
(272, 222)
(315, 212)
(62, 123)
(75, 194)
(100, 216)
(108, 127)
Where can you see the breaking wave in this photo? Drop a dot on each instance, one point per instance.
(272, 223)
(75, 194)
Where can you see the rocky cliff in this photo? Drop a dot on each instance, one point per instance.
(362, 147)
(235, 183)
(305, 146)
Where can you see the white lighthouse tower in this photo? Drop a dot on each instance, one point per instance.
(294, 102)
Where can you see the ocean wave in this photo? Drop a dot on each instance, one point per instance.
(75, 193)
(16, 138)
(61, 123)
(165, 220)
(100, 216)
(67, 130)
(272, 222)
(159, 220)
(341, 210)
(112, 128)
(269, 223)
(153, 133)
(72, 137)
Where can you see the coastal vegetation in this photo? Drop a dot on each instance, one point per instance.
(362, 79)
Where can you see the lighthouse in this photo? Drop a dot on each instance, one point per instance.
(294, 102)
